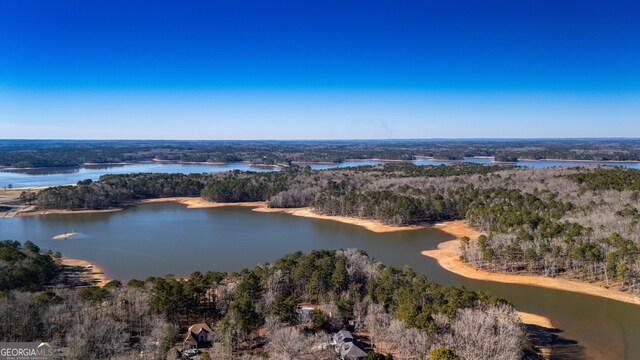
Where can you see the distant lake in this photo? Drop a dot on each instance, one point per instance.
(63, 176)
(163, 238)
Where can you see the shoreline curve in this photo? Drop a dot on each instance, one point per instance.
(95, 274)
(447, 255)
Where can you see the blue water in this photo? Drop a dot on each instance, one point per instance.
(158, 239)
(63, 176)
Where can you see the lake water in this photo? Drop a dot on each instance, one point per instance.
(163, 238)
(64, 176)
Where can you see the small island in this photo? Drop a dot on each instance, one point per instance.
(65, 235)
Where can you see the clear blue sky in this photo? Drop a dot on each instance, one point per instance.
(275, 69)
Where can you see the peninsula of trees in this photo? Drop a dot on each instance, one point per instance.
(255, 313)
(579, 223)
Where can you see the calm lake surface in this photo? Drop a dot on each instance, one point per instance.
(64, 176)
(163, 238)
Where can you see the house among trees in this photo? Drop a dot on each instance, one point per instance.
(346, 347)
(305, 313)
(342, 336)
(199, 335)
(351, 351)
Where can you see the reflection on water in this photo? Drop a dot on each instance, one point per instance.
(157, 239)
(44, 171)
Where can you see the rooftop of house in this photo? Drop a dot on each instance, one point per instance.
(196, 328)
(190, 339)
(351, 351)
(344, 336)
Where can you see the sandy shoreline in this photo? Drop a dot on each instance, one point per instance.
(453, 227)
(371, 225)
(92, 273)
(314, 163)
(9, 201)
(260, 206)
(65, 235)
(457, 228)
(190, 162)
(108, 164)
(28, 188)
(199, 203)
(585, 161)
(62, 211)
(376, 159)
(534, 319)
(189, 202)
(447, 255)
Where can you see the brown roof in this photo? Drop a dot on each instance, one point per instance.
(190, 339)
(196, 328)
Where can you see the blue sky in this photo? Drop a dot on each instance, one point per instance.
(329, 69)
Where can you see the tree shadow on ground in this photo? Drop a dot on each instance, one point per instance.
(553, 345)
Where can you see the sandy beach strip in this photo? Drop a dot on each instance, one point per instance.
(28, 188)
(61, 211)
(378, 159)
(93, 273)
(198, 202)
(190, 162)
(108, 164)
(315, 163)
(65, 235)
(371, 225)
(457, 228)
(448, 256)
(261, 206)
(584, 161)
(534, 319)
(189, 202)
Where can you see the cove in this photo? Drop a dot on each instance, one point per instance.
(166, 238)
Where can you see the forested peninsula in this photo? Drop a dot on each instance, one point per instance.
(255, 313)
(578, 223)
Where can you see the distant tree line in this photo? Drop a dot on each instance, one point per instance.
(26, 154)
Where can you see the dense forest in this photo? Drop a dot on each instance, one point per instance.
(254, 313)
(574, 222)
(24, 267)
(288, 188)
(40, 153)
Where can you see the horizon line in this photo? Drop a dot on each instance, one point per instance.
(334, 139)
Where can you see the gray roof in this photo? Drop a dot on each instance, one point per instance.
(351, 351)
(344, 336)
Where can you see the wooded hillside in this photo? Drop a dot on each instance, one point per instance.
(254, 313)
